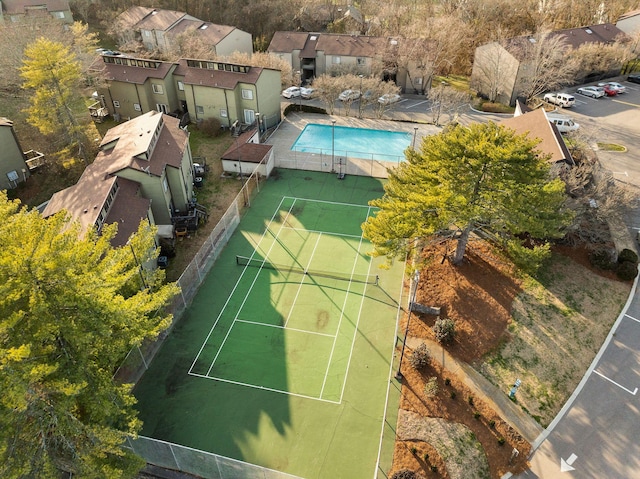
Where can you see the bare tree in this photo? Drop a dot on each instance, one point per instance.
(597, 200)
(328, 89)
(544, 64)
(447, 100)
(597, 59)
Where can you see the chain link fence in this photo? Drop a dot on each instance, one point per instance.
(200, 463)
(137, 360)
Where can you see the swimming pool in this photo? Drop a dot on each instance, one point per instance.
(348, 142)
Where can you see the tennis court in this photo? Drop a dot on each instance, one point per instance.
(283, 359)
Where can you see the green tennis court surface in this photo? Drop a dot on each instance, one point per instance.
(283, 359)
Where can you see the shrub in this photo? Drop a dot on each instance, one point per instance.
(404, 474)
(444, 330)
(414, 450)
(447, 382)
(492, 424)
(426, 457)
(501, 441)
(601, 259)
(470, 400)
(452, 394)
(210, 127)
(627, 270)
(434, 468)
(420, 357)
(627, 255)
(476, 415)
(431, 387)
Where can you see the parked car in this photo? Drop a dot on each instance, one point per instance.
(291, 92)
(635, 78)
(592, 91)
(609, 90)
(348, 95)
(563, 100)
(614, 85)
(307, 93)
(389, 98)
(563, 123)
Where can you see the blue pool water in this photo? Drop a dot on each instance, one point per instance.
(344, 141)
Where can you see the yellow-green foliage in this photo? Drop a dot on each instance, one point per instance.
(70, 309)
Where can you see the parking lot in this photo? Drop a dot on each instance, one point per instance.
(613, 119)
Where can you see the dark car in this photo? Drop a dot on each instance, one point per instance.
(635, 78)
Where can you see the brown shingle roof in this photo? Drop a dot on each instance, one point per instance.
(216, 78)
(131, 74)
(127, 209)
(20, 6)
(84, 200)
(287, 42)
(351, 45)
(536, 125)
(159, 19)
(574, 37)
(247, 152)
(206, 30)
(133, 138)
(132, 15)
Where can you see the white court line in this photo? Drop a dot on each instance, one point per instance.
(246, 296)
(631, 317)
(224, 307)
(326, 202)
(344, 305)
(293, 305)
(419, 103)
(238, 383)
(633, 393)
(268, 230)
(353, 339)
(257, 323)
(320, 232)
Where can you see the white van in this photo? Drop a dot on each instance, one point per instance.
(563, 100)
(564, 123)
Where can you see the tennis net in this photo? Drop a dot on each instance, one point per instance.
(261, 263)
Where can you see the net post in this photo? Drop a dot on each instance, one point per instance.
(377, 283)
(237, 260)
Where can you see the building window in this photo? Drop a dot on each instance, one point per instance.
(136, 107)
(199, 110)
(58, 14)
(335, 60)
(116, 104)
(146, 33)
(180, 86)
(157, 89)
(162, 108)
(361, 61)
(223, 113)
(247, 94)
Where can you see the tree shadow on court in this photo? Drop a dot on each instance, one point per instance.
(226, 409)
(243, 391)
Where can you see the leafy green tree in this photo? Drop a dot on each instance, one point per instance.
(70, 310)
(52, 71)
(463, 180)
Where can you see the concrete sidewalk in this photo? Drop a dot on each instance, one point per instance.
(495, 397)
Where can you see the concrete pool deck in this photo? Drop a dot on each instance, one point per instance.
(292, 125)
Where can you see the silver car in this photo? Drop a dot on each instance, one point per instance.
(592, 91)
